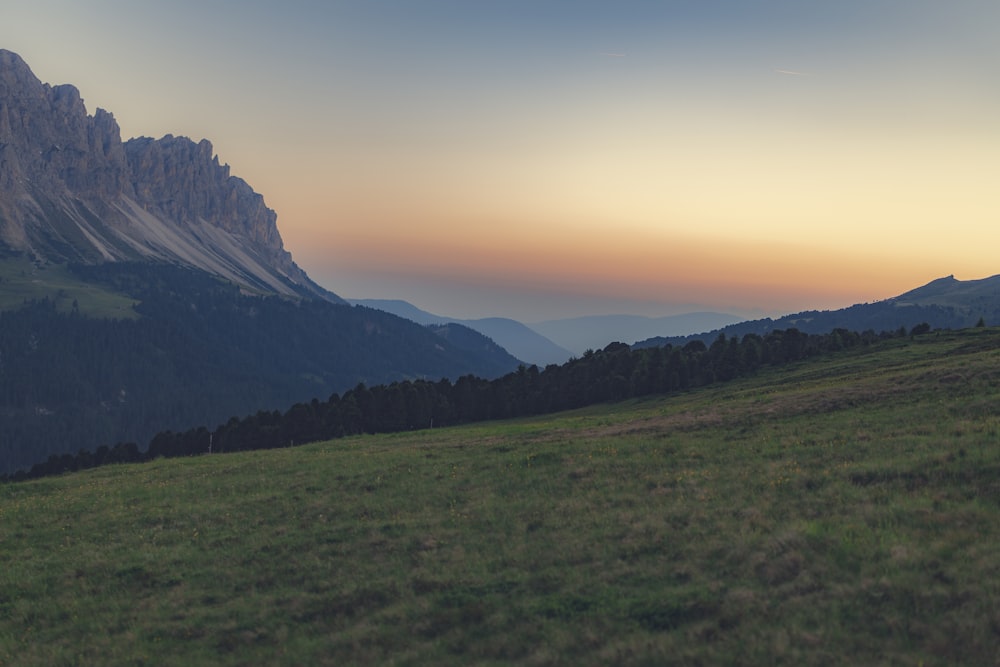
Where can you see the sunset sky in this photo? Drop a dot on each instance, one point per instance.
(535, 159)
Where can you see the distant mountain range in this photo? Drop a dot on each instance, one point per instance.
(518, 339)
(555, 341)
(594, 332)
(945, 303)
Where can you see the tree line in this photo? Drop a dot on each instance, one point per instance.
(198, 351)
(615, 373)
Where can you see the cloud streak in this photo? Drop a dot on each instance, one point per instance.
(791, 72)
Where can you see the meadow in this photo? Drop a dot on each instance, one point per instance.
(842, 510)
(23, 280)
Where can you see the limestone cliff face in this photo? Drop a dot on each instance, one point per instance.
(179, 180)
(71, 190)
(185, 182)
(54, 158)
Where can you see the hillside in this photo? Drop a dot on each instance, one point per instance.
(967, 296)
(188, 350)
(555, 341)
(517, 338)
(945, 303)
(144, 287)
(842, 510)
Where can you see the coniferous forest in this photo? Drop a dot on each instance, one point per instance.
(200, 351)
(615, 373)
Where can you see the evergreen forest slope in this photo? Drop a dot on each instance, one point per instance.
(839, 509)
(192, 349)
(614, 373)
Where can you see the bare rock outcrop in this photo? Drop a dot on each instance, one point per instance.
(71, 190)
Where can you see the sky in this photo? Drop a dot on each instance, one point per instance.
(545, 159)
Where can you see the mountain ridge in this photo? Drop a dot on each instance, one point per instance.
(144, 287)
(943, 303)
(198, 350)
(556, 341)
(72, 191)
(516, 337)
(949, 289)
(595, 331)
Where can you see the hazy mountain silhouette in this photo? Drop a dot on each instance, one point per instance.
(518, 339)
(945, 303)
(555, 341)
(580, 334)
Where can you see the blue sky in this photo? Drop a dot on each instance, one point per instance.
(545, 159)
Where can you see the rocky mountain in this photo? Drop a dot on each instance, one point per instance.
(945, 303)
(144, 288)
(72, 191)
(197, 351)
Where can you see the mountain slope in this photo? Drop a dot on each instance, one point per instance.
(967, 296)
(199, 352)
(402, 308)
(519, 339)
(945, 303)
(143, 288)
(72, 191)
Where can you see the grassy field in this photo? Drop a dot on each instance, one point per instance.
(840, 511)
(21, 279)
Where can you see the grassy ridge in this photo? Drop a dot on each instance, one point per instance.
(840, 511)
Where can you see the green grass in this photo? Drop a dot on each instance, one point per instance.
(841, 511)
(21, 279)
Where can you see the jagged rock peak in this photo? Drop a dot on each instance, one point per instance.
(53, 140)
(187, 182)
(71, 190)
(15, 74)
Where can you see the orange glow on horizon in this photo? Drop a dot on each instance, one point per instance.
(695, 169)
(753, 274)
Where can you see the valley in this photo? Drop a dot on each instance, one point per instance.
(839, 510)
